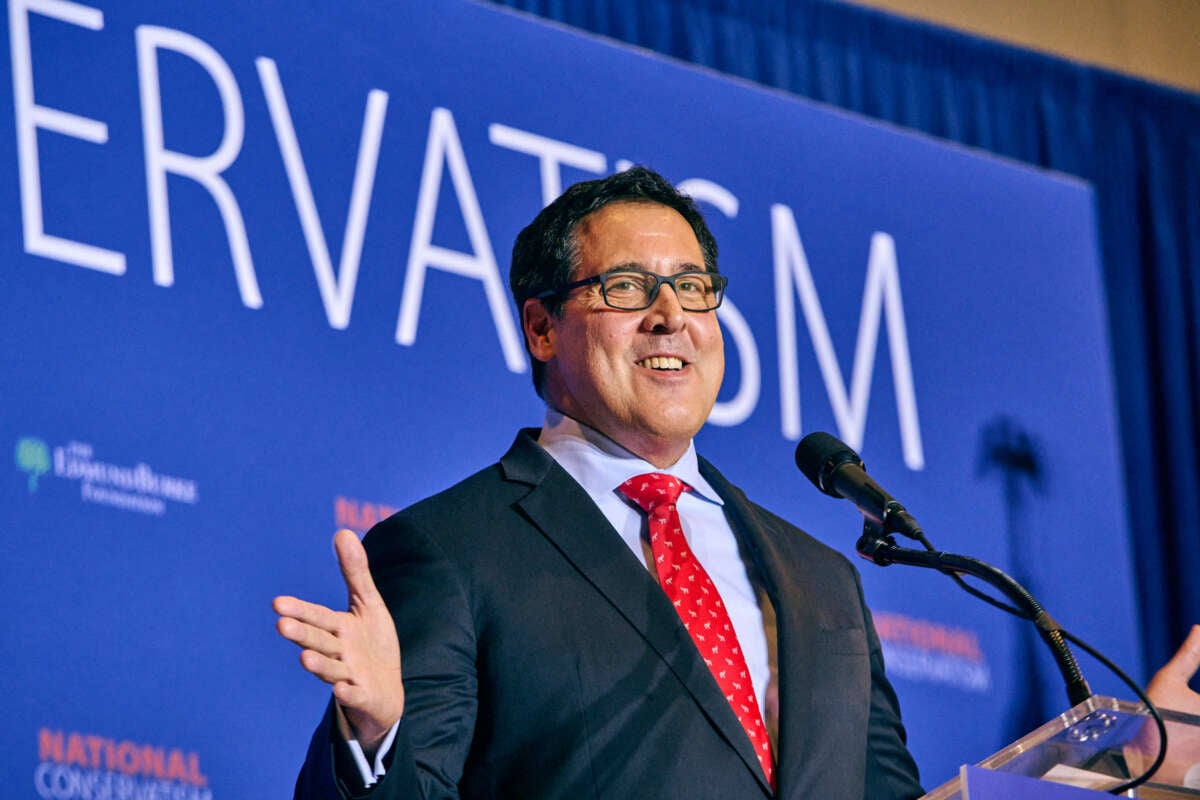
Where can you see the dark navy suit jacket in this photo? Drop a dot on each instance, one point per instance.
(541, 659)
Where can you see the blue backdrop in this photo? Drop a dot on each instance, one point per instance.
(1137, 143)
(253, 290)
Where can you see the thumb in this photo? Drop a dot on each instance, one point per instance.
(1186, 660)
(356, 572)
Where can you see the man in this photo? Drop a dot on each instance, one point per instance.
(601, 613)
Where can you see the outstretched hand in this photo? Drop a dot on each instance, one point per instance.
(356, 651)
(1169, 689)
(1169, 686)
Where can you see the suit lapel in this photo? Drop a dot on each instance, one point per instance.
(796, 624)
(566, 515)
(563, 512)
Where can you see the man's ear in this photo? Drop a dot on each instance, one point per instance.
(538, 324)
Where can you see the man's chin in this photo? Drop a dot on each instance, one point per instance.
(667, 432)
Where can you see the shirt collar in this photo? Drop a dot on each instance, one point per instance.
(600, 465)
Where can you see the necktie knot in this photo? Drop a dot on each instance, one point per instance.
(655, 492)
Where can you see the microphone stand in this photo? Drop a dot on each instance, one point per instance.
(882, 549)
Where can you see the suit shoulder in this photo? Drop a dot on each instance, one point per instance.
(797, 535)
(789, 543)
(482, 509)
(474, 499)
(788, 535)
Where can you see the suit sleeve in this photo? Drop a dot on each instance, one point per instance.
(435, 626)
(891, 771)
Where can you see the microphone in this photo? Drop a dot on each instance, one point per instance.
(837, 471)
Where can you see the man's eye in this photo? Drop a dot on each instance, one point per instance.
(624, 284)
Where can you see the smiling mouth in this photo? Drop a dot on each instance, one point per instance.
(669, 363)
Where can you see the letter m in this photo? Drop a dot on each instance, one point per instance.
(881, 295)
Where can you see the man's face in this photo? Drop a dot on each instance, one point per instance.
(646, 379)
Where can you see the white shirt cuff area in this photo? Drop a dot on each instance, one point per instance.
(370, 773)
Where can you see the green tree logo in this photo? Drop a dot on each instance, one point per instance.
(32, 456)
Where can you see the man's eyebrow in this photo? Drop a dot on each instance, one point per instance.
(637, 266)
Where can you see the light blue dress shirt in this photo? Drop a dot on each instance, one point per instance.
(600, 465)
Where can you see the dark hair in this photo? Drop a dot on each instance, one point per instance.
(546, 253)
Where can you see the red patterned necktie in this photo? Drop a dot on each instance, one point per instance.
(695, 598)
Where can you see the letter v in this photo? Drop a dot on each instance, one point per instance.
(337, 292)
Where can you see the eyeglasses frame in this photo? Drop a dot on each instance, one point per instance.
(720, 282)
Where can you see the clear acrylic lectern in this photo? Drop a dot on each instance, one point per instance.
(1097, 745)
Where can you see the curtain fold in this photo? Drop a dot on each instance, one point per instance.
(1137, 143)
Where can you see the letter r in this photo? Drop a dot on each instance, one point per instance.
(204, 170)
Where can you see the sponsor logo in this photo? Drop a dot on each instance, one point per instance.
(927, 652)
(135, 487)
(359, 515)
(84, 766)
(32, 457)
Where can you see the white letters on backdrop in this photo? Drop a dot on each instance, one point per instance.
(443, 149)
(30, 117)
(204, 170)
(792, 274)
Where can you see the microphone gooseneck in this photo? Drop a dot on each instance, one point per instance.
(836, 470)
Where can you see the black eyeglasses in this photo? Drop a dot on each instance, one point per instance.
(634, 290)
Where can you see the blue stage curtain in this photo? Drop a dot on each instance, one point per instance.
(1137, 143)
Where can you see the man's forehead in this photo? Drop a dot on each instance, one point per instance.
(624, 206)
(623, 228)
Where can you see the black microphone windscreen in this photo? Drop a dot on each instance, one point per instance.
(819, 454)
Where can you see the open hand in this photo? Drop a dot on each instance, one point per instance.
(356, 651)
(1169, 686)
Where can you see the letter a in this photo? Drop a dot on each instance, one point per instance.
(444, 145)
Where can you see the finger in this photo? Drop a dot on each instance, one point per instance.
(308, 637)
(1186, 660)
(350, 695)
(356, 572)
(318, 616)
(327, 669)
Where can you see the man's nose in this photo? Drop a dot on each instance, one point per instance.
(665, 312)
